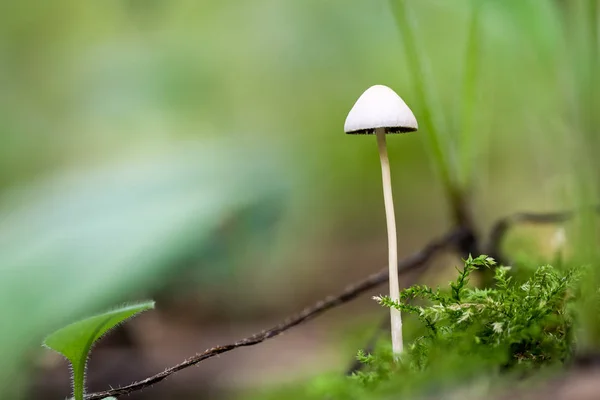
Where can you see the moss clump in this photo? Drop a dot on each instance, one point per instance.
(480, 339)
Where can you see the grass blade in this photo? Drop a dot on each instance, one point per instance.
(467, 137)
(431, 115)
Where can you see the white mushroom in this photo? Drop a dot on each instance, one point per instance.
(380, 107)
(379, 110)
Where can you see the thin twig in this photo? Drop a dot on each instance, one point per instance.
(411, 263)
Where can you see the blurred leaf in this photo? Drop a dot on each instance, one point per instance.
(86, 238)
(75, 341)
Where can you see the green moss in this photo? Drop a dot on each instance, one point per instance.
(468, 337)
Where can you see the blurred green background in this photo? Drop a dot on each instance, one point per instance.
(193, 152)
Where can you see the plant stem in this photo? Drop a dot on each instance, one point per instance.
(396, 318)
(78, 381)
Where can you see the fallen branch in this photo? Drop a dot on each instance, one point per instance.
(411, 263)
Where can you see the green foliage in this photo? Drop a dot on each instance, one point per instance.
(482, 338)
(75, 341)
(527, 323)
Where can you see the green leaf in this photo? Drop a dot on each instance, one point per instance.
(75, 341)
(96, 234)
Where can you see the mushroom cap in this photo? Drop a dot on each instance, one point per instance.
(380, 107)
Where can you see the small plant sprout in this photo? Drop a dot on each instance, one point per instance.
(379, 110)
(75, 341)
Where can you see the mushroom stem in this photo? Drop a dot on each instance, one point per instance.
(396, 318)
